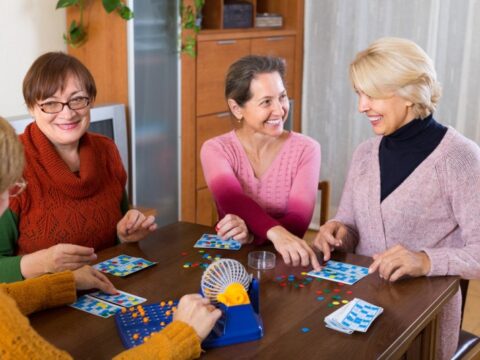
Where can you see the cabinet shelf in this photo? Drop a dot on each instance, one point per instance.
(217, 34)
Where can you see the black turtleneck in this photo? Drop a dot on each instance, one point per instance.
(402, 151)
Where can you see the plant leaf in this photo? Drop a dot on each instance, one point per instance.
(125, 12)
(199, 5)
(66, 3)
(111, 5)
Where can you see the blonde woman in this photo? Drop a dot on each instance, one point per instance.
(411, 199)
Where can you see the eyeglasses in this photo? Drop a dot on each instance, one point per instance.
(17, 188)
(54, 107)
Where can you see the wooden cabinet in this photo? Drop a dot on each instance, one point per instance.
(203, 81)
(213, 60)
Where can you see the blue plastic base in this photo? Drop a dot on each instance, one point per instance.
(240, 323)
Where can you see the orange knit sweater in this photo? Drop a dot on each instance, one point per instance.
(18, 340)
(59, 206)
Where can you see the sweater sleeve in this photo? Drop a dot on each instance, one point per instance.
(18, 340)
(345, 213)
(9, 263)
(301, 199)
(228, 193)
(461, 180)
(41, 293)
(177, 341)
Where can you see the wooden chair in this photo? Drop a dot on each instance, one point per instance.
(324, 187)
(468, 343)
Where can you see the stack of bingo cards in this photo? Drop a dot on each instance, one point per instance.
(357, 315)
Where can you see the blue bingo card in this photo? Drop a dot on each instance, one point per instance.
(341, 272)
(95, 306)
(122, 298)
(210, 241)
(123, 265)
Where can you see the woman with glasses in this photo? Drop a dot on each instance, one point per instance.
(76, 202)
(192, 321)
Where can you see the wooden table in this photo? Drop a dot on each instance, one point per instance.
(408, 322)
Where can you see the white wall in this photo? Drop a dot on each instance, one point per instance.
(29, 28)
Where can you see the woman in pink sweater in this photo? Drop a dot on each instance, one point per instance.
(411, 199)
(263, 178)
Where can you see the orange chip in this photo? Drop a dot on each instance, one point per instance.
(134, 315)
(135, 336)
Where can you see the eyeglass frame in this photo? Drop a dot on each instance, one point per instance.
(22, 185)
(65, 103)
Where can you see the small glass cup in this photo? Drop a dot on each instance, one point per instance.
(261, 260)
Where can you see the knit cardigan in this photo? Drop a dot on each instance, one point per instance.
(284, 195)
(435, 209)
(60, 206)
(19, 341)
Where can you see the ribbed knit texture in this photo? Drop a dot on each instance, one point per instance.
(436, 209)
(402, 151)
(59, 206)
(177, 341)
(284, 195)
(19, 341)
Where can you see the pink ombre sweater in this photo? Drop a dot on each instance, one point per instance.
(435, 210)
(284, 195)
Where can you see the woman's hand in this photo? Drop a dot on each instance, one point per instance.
(232, 226)
(56, 258)
(398, 261)
(135, 226)
(196, 311)
(88, 278)
(294, 250)
(330, 236)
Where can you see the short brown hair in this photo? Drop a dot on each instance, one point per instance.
(11, 156)
(48, 74)
(243, 71)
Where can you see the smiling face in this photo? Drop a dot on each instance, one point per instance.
(267, 110)
(68, 126)
(386, 115)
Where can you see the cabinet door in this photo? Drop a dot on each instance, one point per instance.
(206, 212)
(281, 46)
(213, 60)
(207, 128)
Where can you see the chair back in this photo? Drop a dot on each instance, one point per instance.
(324, 187)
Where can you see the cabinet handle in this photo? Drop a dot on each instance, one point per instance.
(226, 42)
(275, 38)
(223, 114)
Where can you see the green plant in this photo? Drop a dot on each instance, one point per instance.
(77, 34)
(190, 19)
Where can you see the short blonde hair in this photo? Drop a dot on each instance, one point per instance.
(395, 66)
(11, 156)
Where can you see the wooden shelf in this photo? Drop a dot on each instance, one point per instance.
(207, 35)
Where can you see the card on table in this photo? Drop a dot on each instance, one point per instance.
(340, 272)
(211, 241)
(122, 298)
(95, 306)
(123, 265)
(357, 315)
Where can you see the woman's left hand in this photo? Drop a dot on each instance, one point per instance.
(398, 261)
(134, 226)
